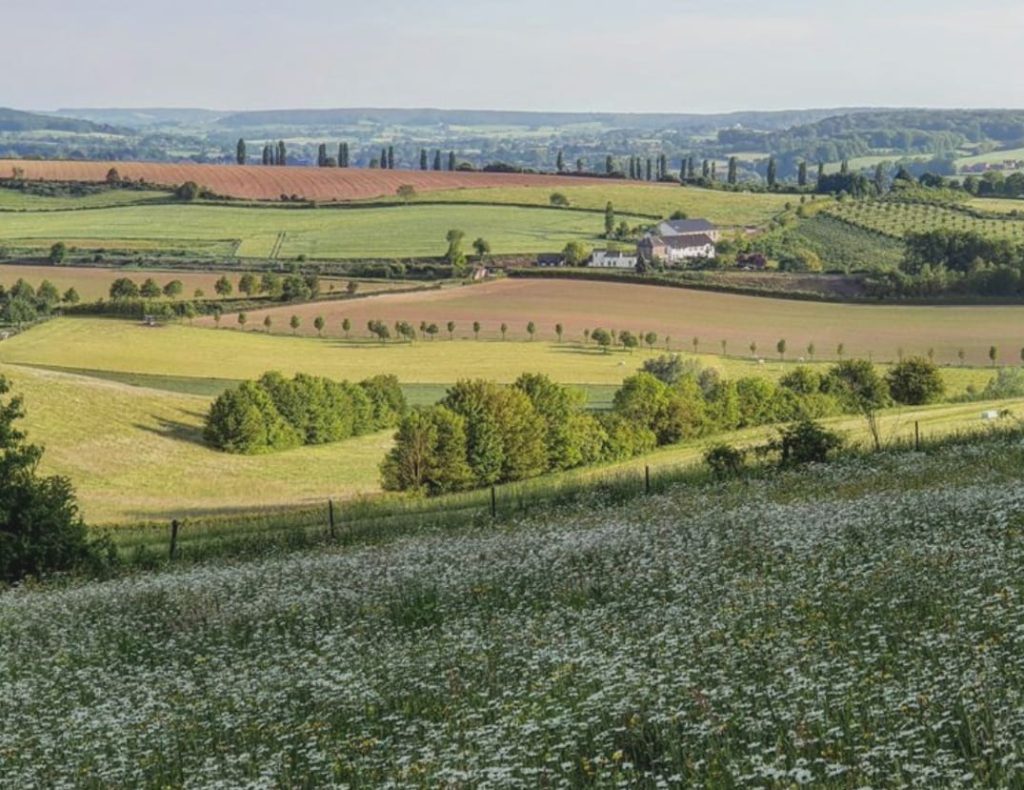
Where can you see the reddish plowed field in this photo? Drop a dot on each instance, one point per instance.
(269, 183)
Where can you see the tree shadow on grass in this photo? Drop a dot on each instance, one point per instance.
(179, 431)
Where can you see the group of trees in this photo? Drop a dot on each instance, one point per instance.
(483, 433)
(285, 288)
(22, 304)
(944, 260)
(275, 413)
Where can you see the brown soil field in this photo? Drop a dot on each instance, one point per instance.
(270, 183)
(864, 330)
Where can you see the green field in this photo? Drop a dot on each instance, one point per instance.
(896, 219)
(656, 200)
(398, 232)
(859, 624)
(16, 200)
(992, 157)
(137, 454)
(844, 247)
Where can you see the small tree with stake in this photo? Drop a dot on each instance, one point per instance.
(476, 330)
(781, 348)
(268, 322)
(295, 323)
(450, 326)
(318, 324)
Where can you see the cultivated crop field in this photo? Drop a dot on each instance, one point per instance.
(895, 219)
(394, 232)
(270, 183)
(854, 625)
(682, 315)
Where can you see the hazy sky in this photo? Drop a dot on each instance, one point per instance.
(628, 55)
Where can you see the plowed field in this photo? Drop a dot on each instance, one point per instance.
(270, 183)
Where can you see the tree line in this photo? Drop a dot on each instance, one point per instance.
(483, 433)
(22, 304)
(275, 413)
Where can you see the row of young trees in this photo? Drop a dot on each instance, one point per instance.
(484, 433)
(275, 413)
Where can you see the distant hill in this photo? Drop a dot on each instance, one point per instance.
(143, 117)
(19, 121)
(689, 122)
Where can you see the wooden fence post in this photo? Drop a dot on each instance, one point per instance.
(647, 479)
(917, 436)
(494, 502)
(174, 538)
(330, 517)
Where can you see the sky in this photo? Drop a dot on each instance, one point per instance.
(568, 55)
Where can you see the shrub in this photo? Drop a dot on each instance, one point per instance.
(915, 381)
(725, 461)
(806, 442)
(245, 420)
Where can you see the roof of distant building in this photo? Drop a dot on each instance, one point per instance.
(689, 225)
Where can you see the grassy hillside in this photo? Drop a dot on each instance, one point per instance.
(137, 454)
(399, 232)
(845, 247)
(657, 200)
(16, 200)
(814, 628)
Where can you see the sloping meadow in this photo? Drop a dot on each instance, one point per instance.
(852, 625)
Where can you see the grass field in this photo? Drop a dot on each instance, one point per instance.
(656, 200)
(859, 624)
(992, 157)
(998, 205)
(15, 200)
(682, 315)
(398, 232)
(137, 454)
(94, 283)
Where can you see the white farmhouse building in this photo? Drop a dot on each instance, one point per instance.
(606, 259)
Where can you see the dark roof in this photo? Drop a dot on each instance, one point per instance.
(685, 242)
(689, 225)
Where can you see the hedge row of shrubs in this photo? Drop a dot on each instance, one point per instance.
(275, 413)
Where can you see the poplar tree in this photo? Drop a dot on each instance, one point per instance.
(609, 219)
(772, 172)
(648, 168)
(609, 165)
(424, 163)
(240, 152)
(706, 169)
(821, 171)
(437, 159)
(801, 175)
(451, 160)
(267, 155)
(391, 157)
(321, 156)
(383, 158)
(560, 161)
(282, 153)
(733, 176)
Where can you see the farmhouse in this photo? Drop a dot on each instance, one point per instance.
(675, 249)
(606, 259)
(675, 241)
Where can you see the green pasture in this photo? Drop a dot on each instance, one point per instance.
(16, 200)
(653, 200)
(396, 232)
